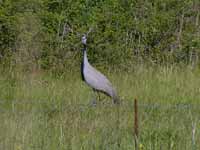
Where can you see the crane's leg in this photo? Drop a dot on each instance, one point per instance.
(94, 102)
(99, 98)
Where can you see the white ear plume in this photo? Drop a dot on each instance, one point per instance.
(84, 39)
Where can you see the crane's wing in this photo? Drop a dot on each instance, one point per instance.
(98, 81)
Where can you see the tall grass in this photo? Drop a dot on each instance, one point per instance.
(41, 111)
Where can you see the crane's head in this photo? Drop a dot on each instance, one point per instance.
(84, 39)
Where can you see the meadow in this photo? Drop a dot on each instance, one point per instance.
(43, 111)
(154, 47)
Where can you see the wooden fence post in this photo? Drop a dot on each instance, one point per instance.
(136, 132)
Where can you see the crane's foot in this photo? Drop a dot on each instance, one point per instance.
(93, 102)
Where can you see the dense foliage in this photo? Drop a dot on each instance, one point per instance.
(45, 34)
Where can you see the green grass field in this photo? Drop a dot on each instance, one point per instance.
(41, 111)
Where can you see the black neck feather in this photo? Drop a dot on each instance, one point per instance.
(82, 63)
(84, 47)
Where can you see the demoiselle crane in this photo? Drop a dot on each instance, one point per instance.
(96, 80)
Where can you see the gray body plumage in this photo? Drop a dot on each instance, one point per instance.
(94, 78)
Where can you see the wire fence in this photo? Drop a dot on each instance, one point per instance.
(83, 106)
(135, 117)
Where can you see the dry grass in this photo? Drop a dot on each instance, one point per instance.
(45, 112)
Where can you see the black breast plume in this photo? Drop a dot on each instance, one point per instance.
(82, 67)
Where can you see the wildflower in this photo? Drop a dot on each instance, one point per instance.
(141, 147)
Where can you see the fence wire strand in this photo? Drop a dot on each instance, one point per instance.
(83, 106)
